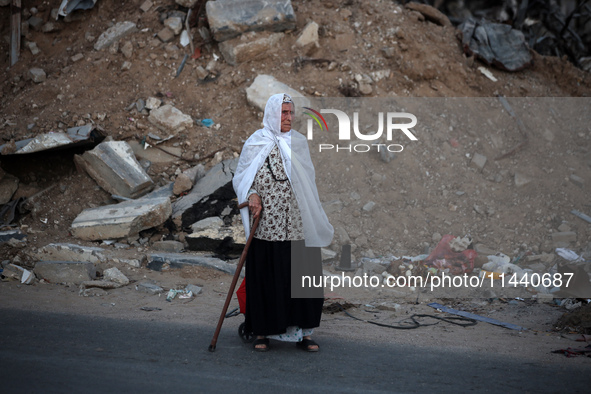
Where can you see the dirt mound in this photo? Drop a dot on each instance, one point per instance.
(578, 320)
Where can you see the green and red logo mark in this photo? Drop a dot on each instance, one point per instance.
(315, 115)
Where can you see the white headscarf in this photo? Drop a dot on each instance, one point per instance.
(298, 167)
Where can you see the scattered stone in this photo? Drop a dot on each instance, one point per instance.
(175, 24)
(115, 275)
(168, 118)
(478, 161)
(88, 36)
(436, 237)
(48, 27)
(186, 3)
(564, 227)
(248, 46)
(194, 289)
(126, 66)
(153, 103)
(182, 184)
(164, 261)
(121, 220)
(545, 298)
(33, 48)
(113, 34)
(149, 288)
(521, 180)
(168, 246)
(484, 250)
(264, 86)
(35, 23)
(230, 18)
(146, 5)
(114, 167)
(77, 57)
(37, 75)
(430, 13)
(195, 173)
(201, 73)
(577, 180)
(166, 35)
(127, 49)
(307, 42)
(369, 206)
(65, 271)
(332, 206)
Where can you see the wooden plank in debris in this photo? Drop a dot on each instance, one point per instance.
(15, 31)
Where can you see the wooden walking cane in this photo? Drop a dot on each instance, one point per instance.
(234, 280)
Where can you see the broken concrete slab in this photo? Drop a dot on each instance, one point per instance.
(114, 33)
(75, 137)
(230, 18)
(248, 46)
(225, 240)
(121, 220)
(182, 184)
(209, 197)
(264, 86)
(65, 271)
(70, 252)
(169, 118)
(164, 261)
(114, 167)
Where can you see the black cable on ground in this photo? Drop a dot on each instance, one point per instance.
(415, 324)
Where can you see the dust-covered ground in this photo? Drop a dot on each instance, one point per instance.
(513, 204)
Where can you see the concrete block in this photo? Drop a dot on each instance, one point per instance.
(168, 118)
(155, 155)
(307, 42)
(248, 46)
(121, 220)
(114, 33)
(114, 167)
(65, 271)
(37, 75)
(164, 261)
(264, 86)
(230, 18)
(209, 197)
(207, 223)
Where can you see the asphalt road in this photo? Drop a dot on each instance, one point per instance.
(50, 352)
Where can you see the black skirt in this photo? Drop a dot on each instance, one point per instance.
(270, 308)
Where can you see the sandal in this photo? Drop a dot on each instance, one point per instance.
(307, 345)
(261, 341)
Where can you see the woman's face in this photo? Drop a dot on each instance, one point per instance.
(286, 117)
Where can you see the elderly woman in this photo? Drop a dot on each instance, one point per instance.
(275, 174)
